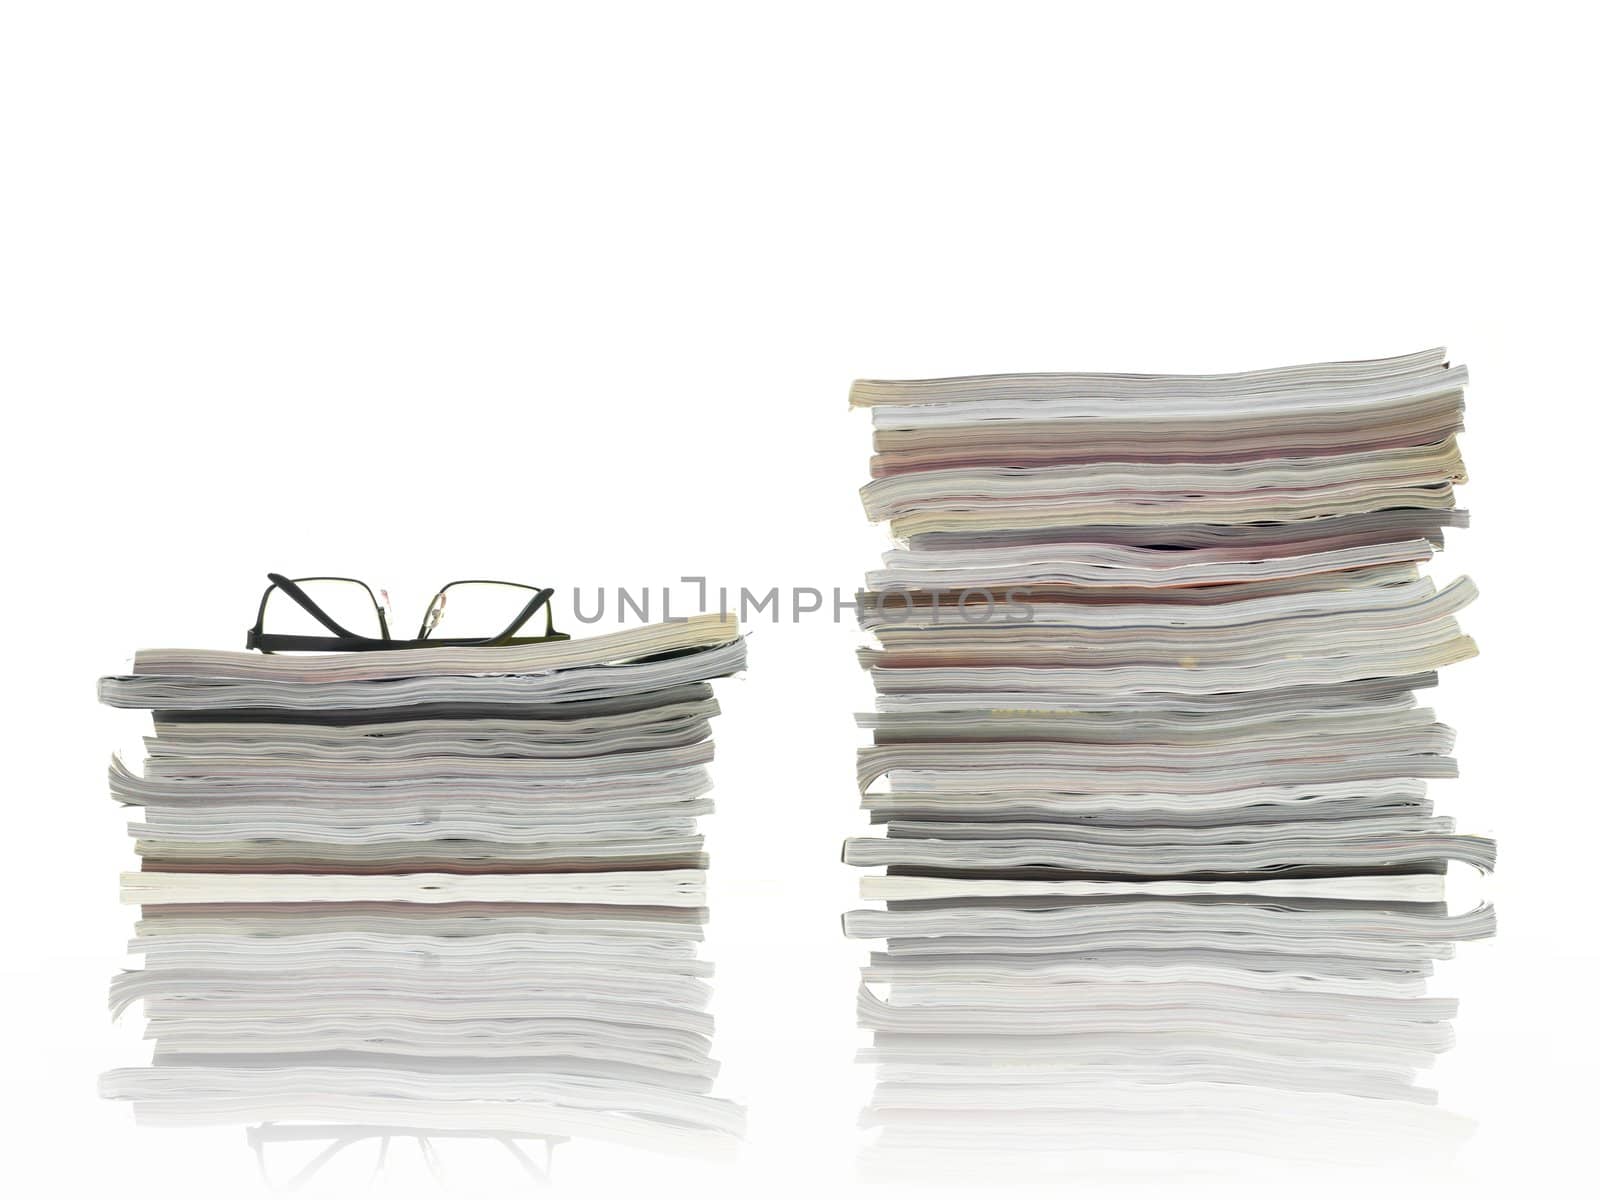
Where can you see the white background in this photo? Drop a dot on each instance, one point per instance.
(575, 294)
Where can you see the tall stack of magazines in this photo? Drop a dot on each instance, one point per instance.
(1160, 869)
(439, 891)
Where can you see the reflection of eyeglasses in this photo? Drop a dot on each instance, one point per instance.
(342, 1137)
(353, 618)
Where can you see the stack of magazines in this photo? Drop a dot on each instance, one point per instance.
(448, 890)
(1148, 758)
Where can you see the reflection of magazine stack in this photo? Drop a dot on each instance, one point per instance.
(1051, 1029)
(450, 890)
(1160, 863)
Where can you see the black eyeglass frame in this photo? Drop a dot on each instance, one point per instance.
(342, 639)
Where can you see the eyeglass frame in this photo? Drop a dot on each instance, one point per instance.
(343, 640)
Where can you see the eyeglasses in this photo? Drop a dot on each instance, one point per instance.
(346, 615)
(339, 1138)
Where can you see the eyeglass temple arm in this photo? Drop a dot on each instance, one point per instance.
(540, 598)
(296, 593)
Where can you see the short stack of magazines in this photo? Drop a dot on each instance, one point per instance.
(1159, 867)
(442, 891)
